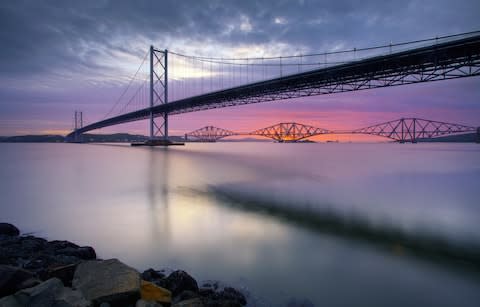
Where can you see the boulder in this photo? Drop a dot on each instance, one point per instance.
(56, 245)
(31, 244)
(85, 252)
(107, 281)
(64, 273)
(10, 250)
(157, 277)
(179, 281)
(49, 293)
(13, 279)
(7, 229)
(152, 292)
(38, 263)
(151, 275)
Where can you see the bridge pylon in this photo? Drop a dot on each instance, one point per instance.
(158, 92)
(77, 124)
(158, 124)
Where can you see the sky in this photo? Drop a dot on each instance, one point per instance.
(62, 56)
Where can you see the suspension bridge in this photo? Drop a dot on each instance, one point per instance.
(404, 130)
(173, 83)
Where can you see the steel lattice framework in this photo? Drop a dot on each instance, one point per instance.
(411, 129)
(401, 130)
(158, 92)
(454, 59)
(289, 132)
(209, 134)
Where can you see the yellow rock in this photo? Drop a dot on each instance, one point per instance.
(152, 292)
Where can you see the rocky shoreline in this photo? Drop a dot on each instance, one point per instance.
(37, 272)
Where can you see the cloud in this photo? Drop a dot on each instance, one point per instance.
(83, 52)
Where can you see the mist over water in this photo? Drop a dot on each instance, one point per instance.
(334, 224)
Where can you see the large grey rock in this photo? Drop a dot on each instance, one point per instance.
(49, 293)
(13, 279)
(107, 281)
(7, 229)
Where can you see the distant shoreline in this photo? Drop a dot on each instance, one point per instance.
(129, 138)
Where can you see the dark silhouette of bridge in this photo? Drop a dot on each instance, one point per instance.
(233, 82)
(401, 130)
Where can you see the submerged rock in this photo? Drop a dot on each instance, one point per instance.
(107, 281)
(7, 229)
(49, 293)
(13, 279)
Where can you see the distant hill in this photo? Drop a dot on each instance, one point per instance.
(33, 139)
(88, 138)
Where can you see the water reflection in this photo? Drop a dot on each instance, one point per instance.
(391, 239)
(335, 224)
(158, 192)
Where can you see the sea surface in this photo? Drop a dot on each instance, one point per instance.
(319, 224)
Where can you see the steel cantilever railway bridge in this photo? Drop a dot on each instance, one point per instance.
(402, 130)
(450, 59)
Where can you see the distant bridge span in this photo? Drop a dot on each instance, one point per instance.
(448, 60)
(401, 130)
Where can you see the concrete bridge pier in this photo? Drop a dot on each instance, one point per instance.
(78, 138)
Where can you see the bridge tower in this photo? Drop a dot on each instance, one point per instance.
(78, 124)
(408, 130)
(158, 92)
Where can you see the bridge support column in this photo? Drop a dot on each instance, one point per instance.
(478, 136)
(158, 93)
(78, 124)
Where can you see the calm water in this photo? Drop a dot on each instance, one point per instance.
(334, 224)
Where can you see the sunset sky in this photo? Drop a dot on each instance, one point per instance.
(61, 56)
